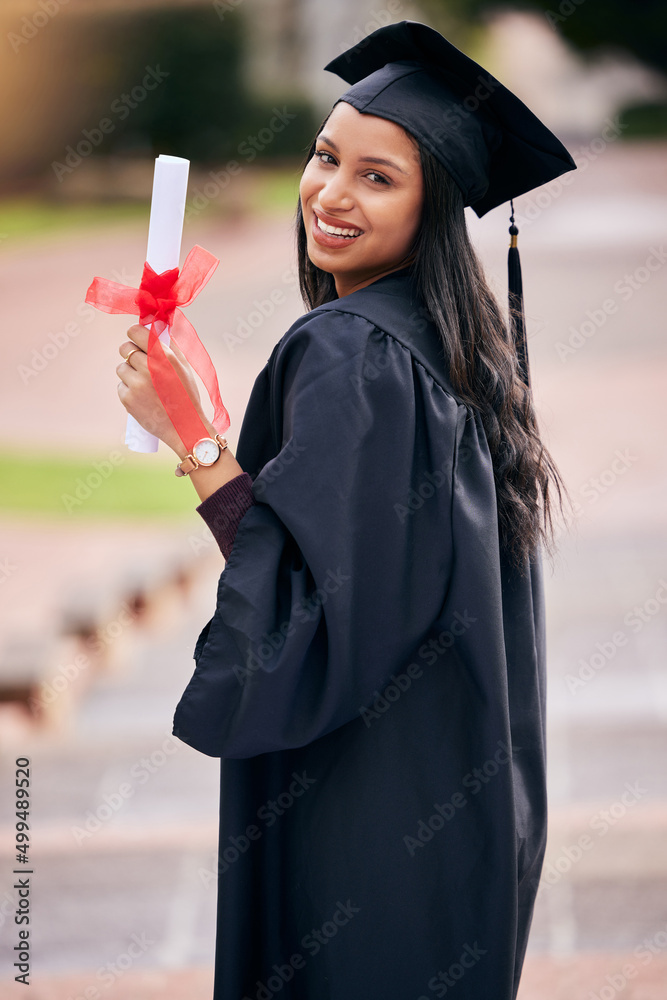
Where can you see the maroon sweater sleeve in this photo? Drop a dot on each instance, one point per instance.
(224, 509)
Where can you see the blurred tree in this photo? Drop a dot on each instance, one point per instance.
(639, 28)
(202, 105)
(201, 108)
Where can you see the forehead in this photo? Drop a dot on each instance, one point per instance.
(369, 134)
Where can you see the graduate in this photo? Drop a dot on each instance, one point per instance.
(373, 677)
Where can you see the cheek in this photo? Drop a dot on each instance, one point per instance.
(402, 224)
(308, 185)
(413, 216)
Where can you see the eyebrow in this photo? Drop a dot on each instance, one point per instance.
(364, 159)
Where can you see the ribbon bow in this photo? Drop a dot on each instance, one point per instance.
(157, 301)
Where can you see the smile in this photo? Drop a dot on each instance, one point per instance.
(332, 231)
(333, 237)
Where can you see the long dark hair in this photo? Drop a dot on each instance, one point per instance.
(483, 364)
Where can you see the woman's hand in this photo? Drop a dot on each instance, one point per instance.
(137, 393)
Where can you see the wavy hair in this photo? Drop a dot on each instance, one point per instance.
(479, 347)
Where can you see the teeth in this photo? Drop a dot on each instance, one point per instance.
(337, 232)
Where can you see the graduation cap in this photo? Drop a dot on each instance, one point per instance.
(490, 143)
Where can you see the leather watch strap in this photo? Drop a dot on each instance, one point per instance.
(190, 463)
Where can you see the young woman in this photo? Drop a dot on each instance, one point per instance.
(373, 677)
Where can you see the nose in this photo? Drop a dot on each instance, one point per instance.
(335, 195)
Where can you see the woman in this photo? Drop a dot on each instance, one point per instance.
(373, 677)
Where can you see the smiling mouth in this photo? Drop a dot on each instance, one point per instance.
(347, 234)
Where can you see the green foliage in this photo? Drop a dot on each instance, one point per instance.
(267, 189)
(645, 120)
(202, 109)
(119, 485)
(276, 191)
(639, 28)
(20, 217)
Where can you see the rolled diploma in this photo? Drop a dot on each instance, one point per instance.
(165, 230)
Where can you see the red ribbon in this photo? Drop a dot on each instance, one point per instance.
(157, 301)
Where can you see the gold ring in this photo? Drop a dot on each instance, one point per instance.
(133, 351)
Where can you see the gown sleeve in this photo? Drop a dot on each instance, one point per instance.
(333, 582)
(223, 510)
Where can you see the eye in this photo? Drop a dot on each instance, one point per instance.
(321, 153)
(379, 179)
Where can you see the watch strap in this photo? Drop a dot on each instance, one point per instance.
(190, 463)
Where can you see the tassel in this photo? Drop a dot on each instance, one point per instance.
(516, 313)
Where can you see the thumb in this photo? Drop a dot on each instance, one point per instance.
(179, 354)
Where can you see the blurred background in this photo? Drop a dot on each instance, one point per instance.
(107, 573)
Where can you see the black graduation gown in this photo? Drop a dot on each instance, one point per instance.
(373, 678)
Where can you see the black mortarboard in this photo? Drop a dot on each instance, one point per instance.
(491, 144)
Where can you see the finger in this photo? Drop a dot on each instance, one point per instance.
(125, 371)
(177, 360)
(132, 355)
(179, 353)
(180, 362)
(139, 336)
(122, 391)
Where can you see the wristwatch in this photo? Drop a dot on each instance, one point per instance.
(204, 452)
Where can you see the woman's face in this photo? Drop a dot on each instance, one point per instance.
(366, 178)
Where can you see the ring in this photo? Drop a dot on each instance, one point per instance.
(133, 351)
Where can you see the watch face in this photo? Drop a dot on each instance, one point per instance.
(206, 451)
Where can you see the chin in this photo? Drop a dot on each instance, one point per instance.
(318, 258)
